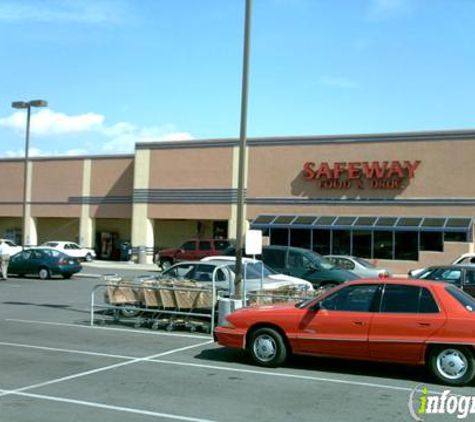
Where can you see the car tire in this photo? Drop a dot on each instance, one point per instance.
(44, 273)
(452, 365)
(165, 264)
(267, 347)
(88, 257)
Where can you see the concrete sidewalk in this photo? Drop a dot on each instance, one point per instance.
(112, 266)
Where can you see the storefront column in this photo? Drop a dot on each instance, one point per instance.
(142, 226)
(30, 237)
(86, 223)
(31, 231)
(232, 222)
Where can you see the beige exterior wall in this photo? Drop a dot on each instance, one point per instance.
(171, 233)
(276, 171)
(57, 229)
(112, 177)
(191, 168)
(56, 181)
(11, 193)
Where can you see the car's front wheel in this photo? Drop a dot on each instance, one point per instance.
(452, 365)
(88, 257)
(267, 347)
(44, 273)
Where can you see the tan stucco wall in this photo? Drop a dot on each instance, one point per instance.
(112, 177)
(57, 229)
(277, 170)
(12, 191)
(56, 180)
(172, 233)
(191, 168)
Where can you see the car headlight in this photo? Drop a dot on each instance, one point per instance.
(227, 324)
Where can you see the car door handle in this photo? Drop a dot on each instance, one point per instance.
(359, 323)
(424, 324)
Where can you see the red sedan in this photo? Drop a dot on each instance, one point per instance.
(403, 321)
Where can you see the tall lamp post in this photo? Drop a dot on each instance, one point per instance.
(26, 176)
(242, 151)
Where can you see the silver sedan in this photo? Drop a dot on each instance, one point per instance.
(359, 266)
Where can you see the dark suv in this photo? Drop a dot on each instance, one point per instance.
(302, 263)
(191, 250)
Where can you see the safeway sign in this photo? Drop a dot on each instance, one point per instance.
(360, 174)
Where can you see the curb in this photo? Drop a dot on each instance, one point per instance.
(87, 275)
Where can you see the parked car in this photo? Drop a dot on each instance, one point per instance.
(402, 321)
(302, 263)
(191, 250)
(43, 262)
(466, 258)
(462, 276)
(202, 271)
(359, 266)
(72, 249)
(11, 247)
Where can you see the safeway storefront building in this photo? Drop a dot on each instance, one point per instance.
(402, 199)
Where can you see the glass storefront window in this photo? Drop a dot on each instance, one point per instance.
(362, 243)
(341, 244)
(300, 238)
(432, 241)
(321, 241)
(406, 246)
(383, 244)
(455, 237)
(279, 237)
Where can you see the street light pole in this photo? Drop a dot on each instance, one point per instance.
(242, 152)
(26, 170)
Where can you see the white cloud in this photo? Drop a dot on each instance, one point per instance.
(63, 11)
(47, 122)
(338, 82)
(98, 137)
(36, 152)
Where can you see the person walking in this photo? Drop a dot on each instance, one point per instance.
(4, 259)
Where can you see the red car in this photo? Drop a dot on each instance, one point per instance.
(403, 321)
(191, 250)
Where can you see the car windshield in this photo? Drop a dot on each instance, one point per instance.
(253, 270)
(364, 263)
(318, 261)
(450, 275)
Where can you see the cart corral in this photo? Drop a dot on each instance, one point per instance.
(173, 304)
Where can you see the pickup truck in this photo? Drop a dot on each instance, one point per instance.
(191, 250)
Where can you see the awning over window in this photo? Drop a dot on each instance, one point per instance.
(446, 224)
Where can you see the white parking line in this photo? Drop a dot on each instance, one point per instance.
(78, 352)
(95, 327)
(134, 359)
(103, 369)
(106, 406)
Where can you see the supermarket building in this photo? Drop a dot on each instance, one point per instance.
(401, 199)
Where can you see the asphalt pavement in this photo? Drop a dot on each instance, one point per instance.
(55, 366)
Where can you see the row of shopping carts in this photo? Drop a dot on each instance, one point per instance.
(171, 304)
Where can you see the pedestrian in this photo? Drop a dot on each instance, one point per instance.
(4, 259)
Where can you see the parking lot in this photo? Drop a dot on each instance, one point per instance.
(55, 367)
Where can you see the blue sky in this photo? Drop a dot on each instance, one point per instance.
(120, 71)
